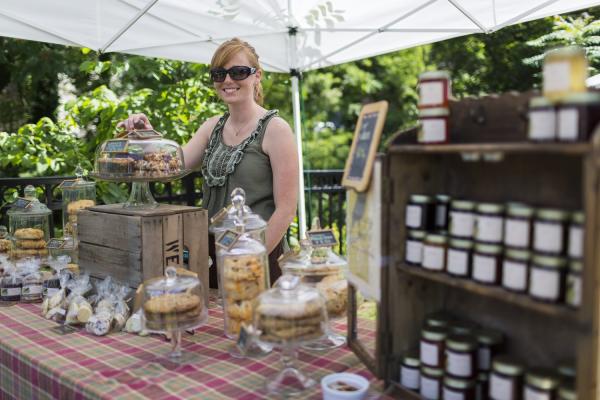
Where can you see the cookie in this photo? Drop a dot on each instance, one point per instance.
(246, 268)
(75, 206)
(31, 244)
(290, 311)
(242, 290)
(280, 323)
(29, 233)
(172, 303)
(4, 245)
(21, 253)
(239, 310)
(335, 291)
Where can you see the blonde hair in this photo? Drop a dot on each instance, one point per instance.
(227, 50)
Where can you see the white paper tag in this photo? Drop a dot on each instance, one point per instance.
(500, 388)
(414, 251)
(548, 237)
(429, 354)
(459, 364)
(489, 229)
(458, 262)
(542, 124)
(484, 359)
(452, 395)
(430, 388)
(409, 377)
(516, 233)
(514, 275)
(557, 76)
(434, 130)
(544, 284)
(413, 216)
(575, 242)
(433, 257)
(431, 93)
(462, 224)
(531, 394)
(484, 268)
(574, 290)
(568, 124)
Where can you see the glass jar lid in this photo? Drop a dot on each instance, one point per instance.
(237, 211)
(170, 283)
(489, 337)
(461, 244)
(540, 102)
(550, 214)
(517, 254)
(567, 370)
(438, 319)
(436, 239)
(576, 266)
(507, 366)
(36, 208)
(485, 248)
(420, 199)
(462, 205)
(312, 261)
(519, 210)
(490, 208)
(549, 261)
(411, 360)
(434, 334)
(461, 384)
(416, 234)
(442, 198)
(461, 343)
(577, 217)
(433, 372)
(541, 379)
(567, 392)
(80, 182)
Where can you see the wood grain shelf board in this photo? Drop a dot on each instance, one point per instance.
(406, 394)
(516, 147)
(495, 292)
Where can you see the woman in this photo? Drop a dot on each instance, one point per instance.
(248, 147)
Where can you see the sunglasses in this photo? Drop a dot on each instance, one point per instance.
(237, 73)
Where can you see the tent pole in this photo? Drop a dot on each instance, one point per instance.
(298, 134)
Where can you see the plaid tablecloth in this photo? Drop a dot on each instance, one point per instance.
(37, 363)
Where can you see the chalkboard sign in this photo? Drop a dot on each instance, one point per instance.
(228, 239)
(67, 183)
(21, 203)
(115, 146)
(55, 243)
(322, 238)
(367, 134)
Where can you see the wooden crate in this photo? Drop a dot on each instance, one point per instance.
(134, 245)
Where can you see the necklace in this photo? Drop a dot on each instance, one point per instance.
(236, 132)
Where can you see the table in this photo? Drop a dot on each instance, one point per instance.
(38, 363)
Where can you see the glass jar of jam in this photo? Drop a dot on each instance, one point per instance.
(434, 253)
(575, 248)
(458, 389)
(434, 126)
(483, 386)
(410, 375)
(10, 288)
(414, 247)
(567, 373)
(546, 278)
(489, 223)
(517, 225)
(439, 319)
(574, 285)
(567, 392)
(542, 120)
(458, 260)
(432, 346)
(515, 270)
(564, 73)
(540, 384)
(462, 219)
(32, 289)
(486, 263)
(442, 210)
(435, 89)
(431, 383)
(577, 116)
(549, 231)
(461, 356)
(490, 343)
(420, 212)
(506, 379)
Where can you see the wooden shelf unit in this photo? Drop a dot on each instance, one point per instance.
(515, 147)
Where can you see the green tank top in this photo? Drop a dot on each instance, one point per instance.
(246, 166)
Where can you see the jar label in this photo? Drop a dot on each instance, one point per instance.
(6, 292)
(575, 242)
(413, 216)
(409, 377)
(484, 359)
(429, 354)
(32, 289)
(433, 257)
(542, 124)
(514, 275)
(574, 290)
(450, 394)
(484, 268)
(568, 124)
(458, 262)
(434, 130)
(548, 237)
(441, 211)
(531, 394)
(431, 93)
(462, 224)
(414, 251)
(544, 284)
(430, 388)
(516, 233)
(459, 364)
(489, 228)
(557, 76)
(501, 388)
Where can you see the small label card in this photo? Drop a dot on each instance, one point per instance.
(67, 183)
(218, 217)
(63, 329)
(228, 239)
(322, 238)
(115, 146)
(55, 243)
(21, 203)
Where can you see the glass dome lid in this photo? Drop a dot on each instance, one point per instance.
(312, 261)
(79, 182)
(226, 219)
(34, 208)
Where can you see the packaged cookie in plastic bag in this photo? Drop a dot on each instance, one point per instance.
(79, 310)
(55, 306)
(31, 291)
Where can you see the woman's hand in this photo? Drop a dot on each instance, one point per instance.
(135, 121)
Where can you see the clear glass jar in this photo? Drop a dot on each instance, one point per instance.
(414, 247)
(574, 287)
(506, 379)
(76, 195)
(11, 288)
(254, 225)
(577, 116)
(442, 211)
(542, 120)
(486, 263)
(32, 289)
(410, 375)
(515, 270)
(432, 346)
(420, 212)
(459, 256)
(483, 386)
(435, 89)
(546, 278)
(5, 243)
(549, 231)
(462, 219)
(431, 383)
(29, 228)
(575, 248)
(458, 389)
(567, 392)
(518, 225)
(489, 223)
(434, 253)
(567, 373)
(565, 71)
(540, 384)
(434, 126)
(490, 343)
(461, 356)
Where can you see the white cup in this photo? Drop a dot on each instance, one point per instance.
(354, 380)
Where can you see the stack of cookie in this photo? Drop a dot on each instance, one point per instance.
(72, 209)
(29, 242)
(243, 279)
(173, 311)
(4, 245)
(335, 290)
(283, 323)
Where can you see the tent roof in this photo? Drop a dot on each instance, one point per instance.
(329, 32)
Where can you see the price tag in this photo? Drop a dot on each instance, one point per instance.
(21, 203)
(115, 146)
(228, 239)
(218, 217)
(322, 238)
(68, 183)
(55, 243)
(63, 329)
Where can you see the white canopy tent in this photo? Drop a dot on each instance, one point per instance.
(290, 36)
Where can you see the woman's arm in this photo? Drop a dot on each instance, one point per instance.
(280, 145)
(193, 151)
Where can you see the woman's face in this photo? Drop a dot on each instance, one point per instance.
(235, 92)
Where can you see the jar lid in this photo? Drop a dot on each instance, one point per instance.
(462, 205)
(507, 366)
(435, 372)
(483, 377)
(438, 319)
(575, 265)
(567, 370)
(420, 198)
(517, 254)
(79, 182)
(313, 261)
(549, 261)
(436, 239)
(462, 328)
(434, 112)
(581, 98)
(488, 248)
(541, 378)
(490, 208)
(552, 214)
(461, 243)
(519, 210)
(489, 337)
(436, 334)
(567, 392)
(456, 383)
(442, 198)
(35, 209)
(577, 217)
(461, 343)
(434, 75)
(411, 360)
(416, 234)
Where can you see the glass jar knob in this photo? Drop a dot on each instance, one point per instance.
(288, 282)
(29, 192)
(171, 274)
(79, 172)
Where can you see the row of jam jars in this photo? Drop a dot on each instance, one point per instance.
(77, 194)
(243, 272)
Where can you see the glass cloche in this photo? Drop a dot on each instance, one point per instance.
(29, 226)
(224, 220)
(173, 304)
(76, 195)
(288, 316)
